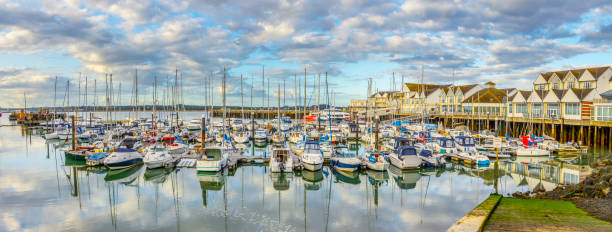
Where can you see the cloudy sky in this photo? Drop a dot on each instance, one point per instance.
(508, 42)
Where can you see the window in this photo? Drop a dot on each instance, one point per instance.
(540, 87)
(570, 85)
(556, 85)
(587, 85)
(510, 108)
(536, 110)
(521, 108)
(552, 110)
(572, 109)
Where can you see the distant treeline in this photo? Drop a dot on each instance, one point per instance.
(160, 108)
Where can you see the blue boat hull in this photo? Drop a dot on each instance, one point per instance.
(124, 164)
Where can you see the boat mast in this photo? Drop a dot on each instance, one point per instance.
(223, 88)
(328, 109)
(54, 103)
(241, 99)
(295, 96)
(278, 110)
(304, 115)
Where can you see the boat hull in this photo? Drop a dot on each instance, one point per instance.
(124, 164)
(312, 166)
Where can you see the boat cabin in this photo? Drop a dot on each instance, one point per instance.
(446, 142)
(465, 141)
(400, 142)
(404, 151)
(212, 154)
(343, 152)
(311, 146)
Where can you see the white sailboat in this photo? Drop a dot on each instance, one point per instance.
(214, 159)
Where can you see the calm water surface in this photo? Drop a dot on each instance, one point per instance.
(41, 191)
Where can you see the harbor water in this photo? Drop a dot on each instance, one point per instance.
(43, 191)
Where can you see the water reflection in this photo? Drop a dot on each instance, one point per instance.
(250, 198)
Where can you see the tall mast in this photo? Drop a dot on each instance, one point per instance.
(241, 99)
(278, 110)
(295, 97)
(268, 108)
(263, 86)
(54, 101)
(304, 116)
(223, 105)
(328, 109)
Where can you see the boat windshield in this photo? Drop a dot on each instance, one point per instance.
(344, 152)
(311, 148)
(407, 152)
(212, 154)
(447, 143)
(468, 141)
(159, 149)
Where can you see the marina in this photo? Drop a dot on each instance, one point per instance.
(248, 194)
(411, 115)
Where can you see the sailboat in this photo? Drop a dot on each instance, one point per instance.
(215, 158)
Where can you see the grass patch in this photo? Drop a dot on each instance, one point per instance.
(521, 214)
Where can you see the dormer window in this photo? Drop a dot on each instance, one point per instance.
(556, 85)
(587, 85)
(570, 85)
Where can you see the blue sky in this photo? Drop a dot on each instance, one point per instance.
(508, 42)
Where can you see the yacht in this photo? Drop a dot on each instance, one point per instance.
(241, 137)
(312, 159)
(344, 160)
(156, 157)
(194, 124)
(405, 157)
(281, 160)
(376, 161)
(260, 136)
(213, 160)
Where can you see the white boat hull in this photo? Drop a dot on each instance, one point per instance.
(313, 166)
(408, 162)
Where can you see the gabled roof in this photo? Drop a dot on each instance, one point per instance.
(465, 88)
(524, 94)
(541, 93)
(487, 95)
(582, 93)
(546, 76)
(559, 93)
(596, 72)
(416, 87)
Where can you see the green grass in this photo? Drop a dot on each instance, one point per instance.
(530, 213)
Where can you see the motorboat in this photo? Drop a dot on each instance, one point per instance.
(312, 159)
(281, 160)
(96, 159)
(213, 160)
(530, 148)
(123, 158)
(376, 161)
(344, 160)
(194, 124)
(260, 137)
(405, 157)
(156, 157)
(241, 137)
